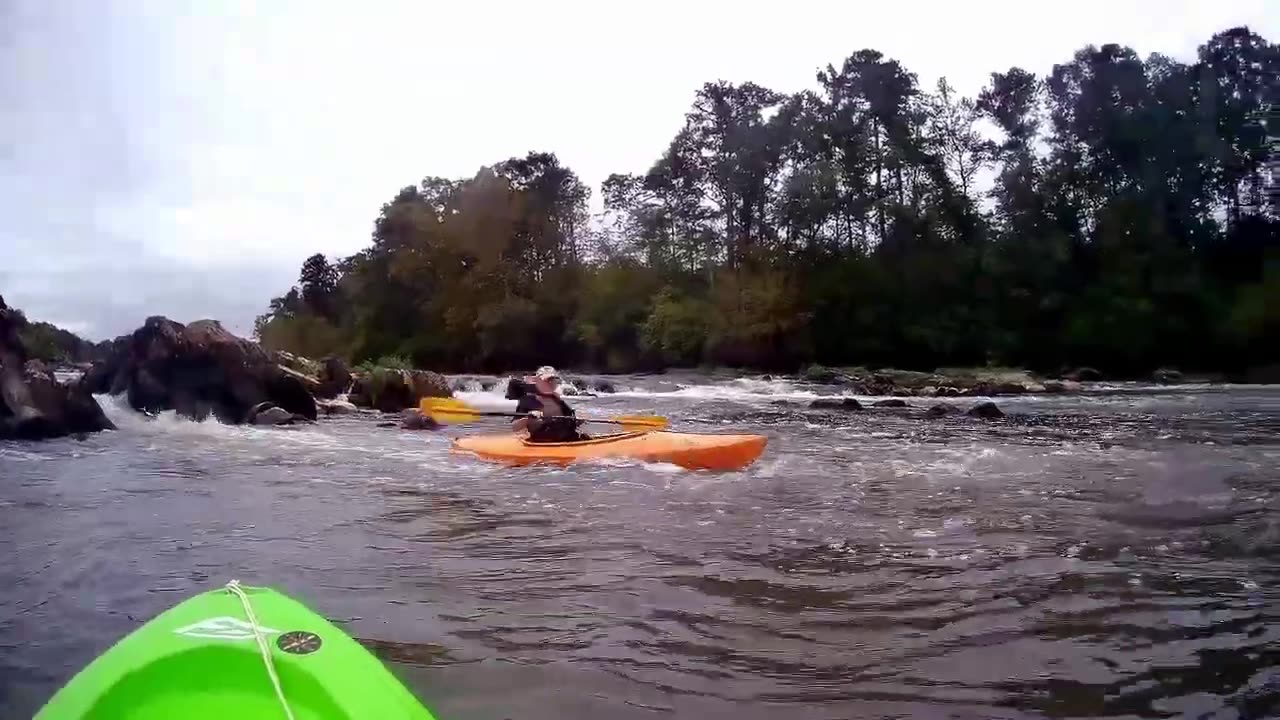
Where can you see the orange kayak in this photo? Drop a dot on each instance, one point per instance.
(689, 450)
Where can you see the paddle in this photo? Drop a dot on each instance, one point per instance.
(447, 410)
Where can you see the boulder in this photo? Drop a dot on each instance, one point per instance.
(985, 410)
(890, 403)
(393, 390)
(516, 389)
(994, 389)
(604, 386)
(820, 375)
(33, 404)
(297, 363)
(198, 370)
(939, 410)
(1167, 376)
(415, 420)
(265, 413)
(947, 391)
(835, 404)
(336, 407)
(1084, 374)
(334, 377)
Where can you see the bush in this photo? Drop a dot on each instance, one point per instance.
(676, 328)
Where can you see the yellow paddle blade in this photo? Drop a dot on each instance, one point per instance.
(640, 422)
(445, 410)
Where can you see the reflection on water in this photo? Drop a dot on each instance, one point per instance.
(1112, 555)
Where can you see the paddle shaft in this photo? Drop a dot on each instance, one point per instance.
(486, 413)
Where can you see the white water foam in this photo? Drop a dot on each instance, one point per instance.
(739, 390)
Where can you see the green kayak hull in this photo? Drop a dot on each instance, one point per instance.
(200, 659)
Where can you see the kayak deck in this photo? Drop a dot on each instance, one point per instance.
(200, 660)
(689, 450)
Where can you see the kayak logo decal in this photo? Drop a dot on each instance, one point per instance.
(222, 628)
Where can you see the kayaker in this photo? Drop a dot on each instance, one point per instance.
(548, 417)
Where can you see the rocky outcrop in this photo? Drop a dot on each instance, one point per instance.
(906, 383)
(994, 389)
(890, 403)
(516, 389)
(334, 377)
(413, 419)
(1084, 374)
(33, 404)
(336, 407)
(835, 404)
(265, 413)
(391, 390)
(199, 370)
(985, 410)
(939, 410)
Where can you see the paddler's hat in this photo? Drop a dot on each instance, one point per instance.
(546, 372)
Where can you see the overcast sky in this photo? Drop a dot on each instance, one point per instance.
(156, 159)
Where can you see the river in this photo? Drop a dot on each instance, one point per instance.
(1113, 554)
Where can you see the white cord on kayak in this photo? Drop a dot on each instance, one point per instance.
(235, 589)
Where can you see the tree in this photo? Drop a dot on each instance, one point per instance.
(319, 282)
(853, 222)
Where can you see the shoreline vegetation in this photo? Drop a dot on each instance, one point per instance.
(200, 370)
(1118, 213)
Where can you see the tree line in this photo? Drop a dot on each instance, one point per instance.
(1115, 213)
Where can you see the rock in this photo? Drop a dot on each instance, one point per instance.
(33, 404)
(516, 389)
(994, 389)
(198, 370)
(985, 410)
(393, 390)
(820, 375)
(1084, 374)
(271, 415)
(890, 403)
(1054, 387)
(311, 384)
(297, 363)
(415, 420)
(1167, 376)
(604, 386)
(388, 424)
(835, 404)
(939, 410)
(947, 391)
(334, 377)
(336, 407)
(766, 377)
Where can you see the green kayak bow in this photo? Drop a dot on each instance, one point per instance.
(233, 653)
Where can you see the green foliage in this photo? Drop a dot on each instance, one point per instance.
(676, 328)
(387, 362)
(53, 344)
(306, 335)
(1125, 226)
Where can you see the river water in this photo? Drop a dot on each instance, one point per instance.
(1115, 554)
